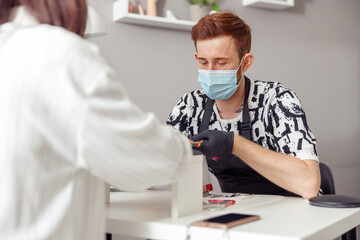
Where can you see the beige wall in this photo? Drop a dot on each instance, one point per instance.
(313, 48)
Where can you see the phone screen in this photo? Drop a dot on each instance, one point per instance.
(224, 219)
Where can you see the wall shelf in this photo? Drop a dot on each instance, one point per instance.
(121, 15)
(269, 4)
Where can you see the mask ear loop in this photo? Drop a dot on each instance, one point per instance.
(242, 75)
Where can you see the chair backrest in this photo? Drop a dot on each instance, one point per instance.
(328, 187)
(327, 180)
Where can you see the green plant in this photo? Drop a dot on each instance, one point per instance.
(212, 3)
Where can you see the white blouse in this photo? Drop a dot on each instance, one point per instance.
(67, 126)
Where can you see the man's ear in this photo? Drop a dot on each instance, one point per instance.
(248, 61)
(196, 56)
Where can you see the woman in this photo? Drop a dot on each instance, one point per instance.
(68, 126)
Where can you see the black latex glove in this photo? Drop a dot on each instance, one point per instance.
(214, 143)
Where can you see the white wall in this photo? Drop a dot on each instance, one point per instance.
(313, 48)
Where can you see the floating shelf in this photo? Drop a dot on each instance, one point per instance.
(120, 15)
(269, 4)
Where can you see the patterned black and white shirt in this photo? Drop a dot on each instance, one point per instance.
(278, 121)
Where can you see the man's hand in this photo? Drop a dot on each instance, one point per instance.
(214, 142)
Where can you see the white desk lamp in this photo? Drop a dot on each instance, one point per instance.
(94, 25)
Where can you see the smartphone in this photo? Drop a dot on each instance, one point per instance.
(226, 220)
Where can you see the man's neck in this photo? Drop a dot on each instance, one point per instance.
(229, 108)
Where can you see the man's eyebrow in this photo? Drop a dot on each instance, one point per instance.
(219, 58)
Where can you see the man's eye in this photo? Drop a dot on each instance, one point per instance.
(203, 63)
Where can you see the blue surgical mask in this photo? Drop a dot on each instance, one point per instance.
(219, 84)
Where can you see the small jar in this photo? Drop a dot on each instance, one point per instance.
(151, 8)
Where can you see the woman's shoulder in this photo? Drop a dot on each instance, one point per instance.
(60, 40)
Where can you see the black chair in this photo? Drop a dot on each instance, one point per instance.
(328, 187)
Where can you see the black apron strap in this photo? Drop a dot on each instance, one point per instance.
(246, 125)
(207, 115)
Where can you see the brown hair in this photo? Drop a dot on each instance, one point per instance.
(70, 14)
(5, 7)
(224, 24)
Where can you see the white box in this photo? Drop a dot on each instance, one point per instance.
(186, 192)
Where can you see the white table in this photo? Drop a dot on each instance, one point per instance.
(147, 215)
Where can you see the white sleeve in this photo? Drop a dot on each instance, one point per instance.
(117, 141)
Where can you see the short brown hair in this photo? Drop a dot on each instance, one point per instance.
(224, 24)
(70, 14)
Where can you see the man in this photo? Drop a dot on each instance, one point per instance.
(67, 126)
(254, 134)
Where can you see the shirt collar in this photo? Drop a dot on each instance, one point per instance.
(21, 16)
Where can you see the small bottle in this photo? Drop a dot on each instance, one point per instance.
(131, 7)
(207, 186)
(151, 8)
